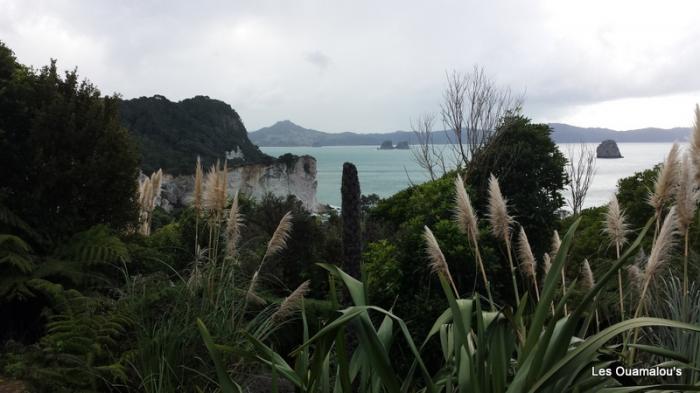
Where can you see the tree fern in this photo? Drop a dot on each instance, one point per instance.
(94, 246)
(12, 221)
(81, 348)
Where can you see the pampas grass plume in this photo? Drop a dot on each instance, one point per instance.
(292, 302)
(616, 226)
(695, 145)
(546, 263)
(498, 211)
(213, 197)
(438, 264)
(661, 251)
(666, 181)
(233, 227)
(251, 296)
(464, 212)
(587, 279)
(635, 278)
(278, 241)
(198, 175)
(556, 244)
(527, 260)
(686, 194)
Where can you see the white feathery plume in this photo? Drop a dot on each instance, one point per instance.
(616, 226)
(695, 145)
(438, 264)
(635, 278)
(278, 241)
(546, 263)
(198, 177)
(556, 243)
(233, 228)
(527, 259)
(464, 212)
(686, 194)
(666, 181)
(587, 279)
(292, 302)
(498, 211)
(661, 251)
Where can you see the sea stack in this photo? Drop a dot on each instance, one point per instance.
(402, 146)
(608, 149)
(386, 145)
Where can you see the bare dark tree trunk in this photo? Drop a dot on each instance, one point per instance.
(424, 151)
(352, 231)
(453, 109)
(472, 107)
(580, 169)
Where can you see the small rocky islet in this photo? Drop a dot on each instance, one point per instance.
(608, 149)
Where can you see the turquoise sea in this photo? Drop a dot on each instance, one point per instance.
(384, 172)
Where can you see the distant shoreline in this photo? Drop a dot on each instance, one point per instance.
(447, 144)
(287, 134)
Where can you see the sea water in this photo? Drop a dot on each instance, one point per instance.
(385, 172)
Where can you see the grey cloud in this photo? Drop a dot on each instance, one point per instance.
(318, 59)
(388, 58)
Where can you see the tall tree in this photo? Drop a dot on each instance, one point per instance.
(472, 108)
(351, 211)
(580, 168)
(67, 164)
(530, 170)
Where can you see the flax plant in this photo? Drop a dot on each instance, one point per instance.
(482, 351)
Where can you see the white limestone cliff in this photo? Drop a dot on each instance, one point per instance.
(281, 178)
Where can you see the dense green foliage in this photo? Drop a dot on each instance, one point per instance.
(530, 171)
(171, 135)
(69, 182)
(480, 350)
(395, 225)
(313, 241)
(633, 194)
(67, 163)
(594, 245)
(533, 193)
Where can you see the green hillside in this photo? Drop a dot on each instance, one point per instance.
(171, 135)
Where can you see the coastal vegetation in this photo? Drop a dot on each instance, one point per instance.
(469, 282)
(171, 135)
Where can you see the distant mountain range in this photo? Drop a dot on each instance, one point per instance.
(286, 134)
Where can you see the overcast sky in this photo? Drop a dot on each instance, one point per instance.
(372, 65)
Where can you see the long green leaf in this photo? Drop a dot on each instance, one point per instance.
(226, 384)
(579, 357)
